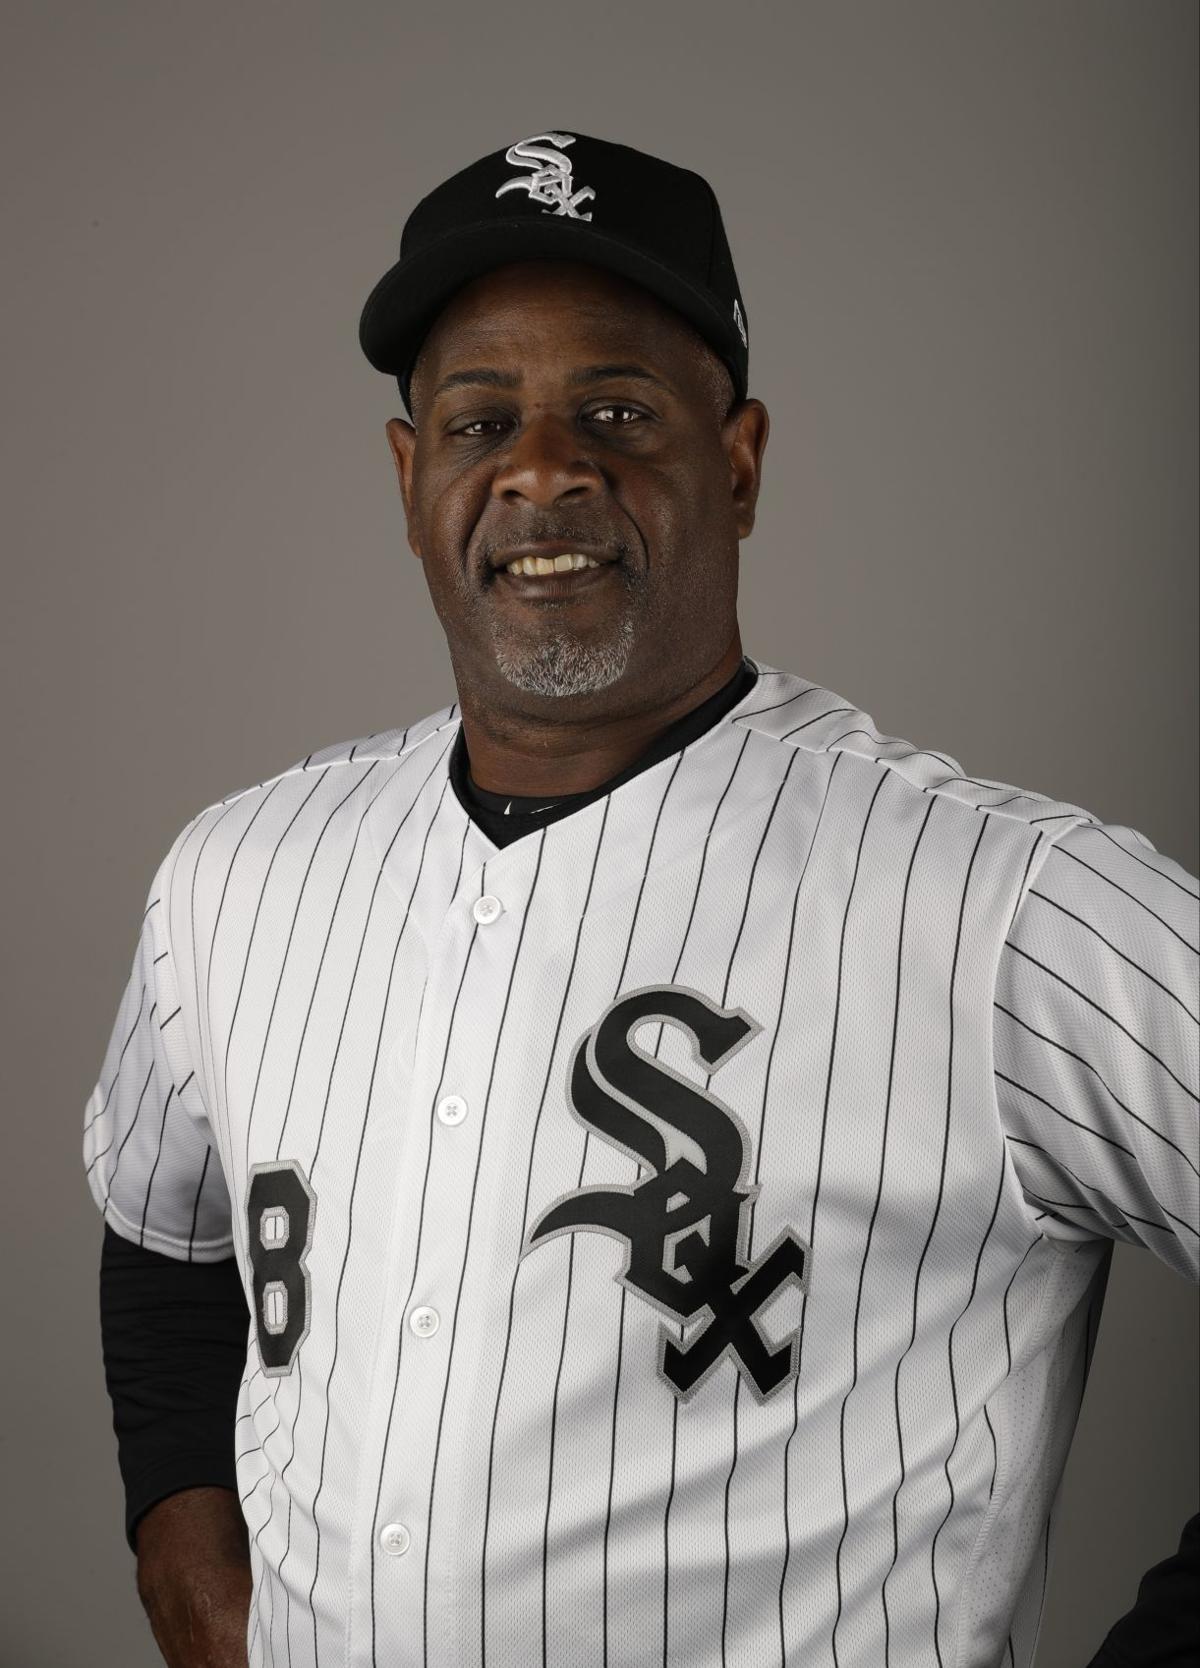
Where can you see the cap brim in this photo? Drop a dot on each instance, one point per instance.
(404, 303)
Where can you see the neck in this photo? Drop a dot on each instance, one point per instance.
(516, 754)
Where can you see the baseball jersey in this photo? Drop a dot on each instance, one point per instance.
(678, 1235)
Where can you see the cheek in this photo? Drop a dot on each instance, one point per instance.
(446, 509)
(684, 517)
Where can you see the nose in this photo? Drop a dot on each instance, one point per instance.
(546, 463)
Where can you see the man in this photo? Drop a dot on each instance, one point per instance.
(670, 1135)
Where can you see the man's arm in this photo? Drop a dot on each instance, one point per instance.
(1163, 1628)
(1096, 1051)
(174, 1336)
(173, 1314)
(194, 1578)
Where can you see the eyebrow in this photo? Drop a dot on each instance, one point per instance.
(484, 376)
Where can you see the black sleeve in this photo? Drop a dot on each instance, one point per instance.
(174, 1337)
(1163, 1628)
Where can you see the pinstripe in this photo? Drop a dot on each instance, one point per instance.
(300, 1377)
(562, 1008)
(102, 1109)
(358, 959)
(789, 700)
(937, 1534)
(1034, 850)
(987, 1419)
(260, 1449)
(762, 1122)
(1143, 862)
(282, 1472)
(125, 1138)
(928, 1242)
(830, 712)
(162, 1130)
(253, 1411)
(196, 1206)
(812, 1216)
(834, 1037)
(258, 909)
(1104, 1014)
(616, 1387)
(541, 844)
(571, 1248)
(324, 951)
(1108, 944)
(1062, 1048)
(1073, 1204)
(1066, 1117)
(1133, 897)
(862, 1272)
(737, 1384)
(358, 1153)
(210, 1069)
(416, 1258)
(621, 1311)
(1060, 1164)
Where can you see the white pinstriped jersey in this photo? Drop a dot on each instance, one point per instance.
(679, 1236)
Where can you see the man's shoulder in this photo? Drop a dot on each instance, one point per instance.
(795, 712)
(331, 772)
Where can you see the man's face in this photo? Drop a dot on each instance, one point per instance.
(563, 415)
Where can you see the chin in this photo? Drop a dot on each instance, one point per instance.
(562, 666)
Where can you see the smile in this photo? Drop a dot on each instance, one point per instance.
(536, 567)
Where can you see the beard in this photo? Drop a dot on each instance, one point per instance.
(557, 662)
(561, 664)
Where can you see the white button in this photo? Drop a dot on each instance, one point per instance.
(395, 1539)
(487, 909)
(452, 1110)
(424, 1322)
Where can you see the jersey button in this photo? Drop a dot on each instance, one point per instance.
(395, 1539)
(487, 909)
(424, 1322)
(452, 1110)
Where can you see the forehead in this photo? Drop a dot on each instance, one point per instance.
(550, 306)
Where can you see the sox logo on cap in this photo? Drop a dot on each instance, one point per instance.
(550, 183)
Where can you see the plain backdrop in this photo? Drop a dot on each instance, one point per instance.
(967, 241)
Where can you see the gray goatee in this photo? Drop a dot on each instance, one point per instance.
(562, 665)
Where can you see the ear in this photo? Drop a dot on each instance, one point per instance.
(744, 436)
(402, 438)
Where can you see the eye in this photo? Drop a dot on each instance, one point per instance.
(474, 430)
(629, 411)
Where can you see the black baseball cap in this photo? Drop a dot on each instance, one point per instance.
(566, 196)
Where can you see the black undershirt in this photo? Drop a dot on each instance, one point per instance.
(506, 817)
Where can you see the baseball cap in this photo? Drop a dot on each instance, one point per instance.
(571, 197)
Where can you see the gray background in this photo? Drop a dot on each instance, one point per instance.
(967, 239)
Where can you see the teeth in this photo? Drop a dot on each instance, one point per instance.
(537, 565)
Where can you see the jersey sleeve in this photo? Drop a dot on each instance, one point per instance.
(151, 1164)
(1097, 1044)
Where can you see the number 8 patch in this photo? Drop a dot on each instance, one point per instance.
(280, 1206)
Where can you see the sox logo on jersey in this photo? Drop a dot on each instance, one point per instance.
(687, 1227)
